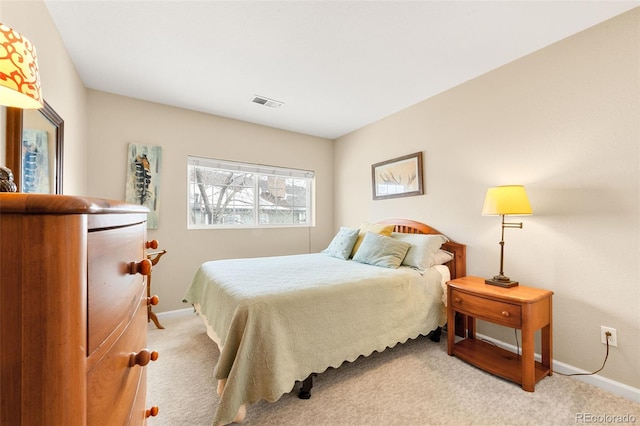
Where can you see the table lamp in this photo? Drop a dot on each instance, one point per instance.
(19, 83)
(505, 200)
(19, 75)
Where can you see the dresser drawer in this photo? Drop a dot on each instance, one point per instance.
(113, 292)
(494, 311)
(116, 387)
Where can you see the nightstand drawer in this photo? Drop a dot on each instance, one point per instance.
(501, 313)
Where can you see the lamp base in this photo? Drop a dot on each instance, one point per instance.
(501, 281)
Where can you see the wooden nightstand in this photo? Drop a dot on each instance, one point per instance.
(524, 308)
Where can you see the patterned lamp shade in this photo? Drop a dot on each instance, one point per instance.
(19, 77)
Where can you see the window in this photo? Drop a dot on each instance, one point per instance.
(231, 194)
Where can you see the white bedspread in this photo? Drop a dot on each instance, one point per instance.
(279, 319)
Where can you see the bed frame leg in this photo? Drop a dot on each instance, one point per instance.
(435, 334)
(305, 389)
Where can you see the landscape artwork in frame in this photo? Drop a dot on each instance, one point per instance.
(143, 179)
(398, 177)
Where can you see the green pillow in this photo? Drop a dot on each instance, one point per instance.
(380, 250)
(342, 243)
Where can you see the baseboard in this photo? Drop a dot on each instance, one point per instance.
(601, 382)
(176, 313)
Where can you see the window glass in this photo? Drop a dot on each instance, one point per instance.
(232, 194)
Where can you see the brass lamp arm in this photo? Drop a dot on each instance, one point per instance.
(501, 278)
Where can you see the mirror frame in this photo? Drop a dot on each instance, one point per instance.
(14, 143)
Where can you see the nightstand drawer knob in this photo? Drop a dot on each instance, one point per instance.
(505, 313)
(457, 300)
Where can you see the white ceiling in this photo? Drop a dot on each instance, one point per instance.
(336, 65)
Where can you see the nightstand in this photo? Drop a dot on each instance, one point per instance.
(525, 308)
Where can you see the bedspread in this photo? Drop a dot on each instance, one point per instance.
(278, 319)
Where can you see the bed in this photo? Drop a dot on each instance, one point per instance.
(280, 320)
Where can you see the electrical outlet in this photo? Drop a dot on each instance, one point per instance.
(613, 338)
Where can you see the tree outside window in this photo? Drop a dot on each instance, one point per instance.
(230, 194)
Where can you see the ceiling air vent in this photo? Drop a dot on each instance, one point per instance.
(257, 99)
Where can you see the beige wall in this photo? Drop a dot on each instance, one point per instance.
(116, 121)
(564, 122)
(61, 85)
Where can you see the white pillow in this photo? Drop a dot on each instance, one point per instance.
(441, 257)
(423, 251)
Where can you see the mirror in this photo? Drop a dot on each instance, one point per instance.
(34, 149)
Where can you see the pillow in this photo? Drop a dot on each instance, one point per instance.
(441, 257)
(371, 227)
(342, 243)
(424, 248)
(380, 250)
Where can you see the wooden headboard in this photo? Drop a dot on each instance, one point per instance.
(457, 266)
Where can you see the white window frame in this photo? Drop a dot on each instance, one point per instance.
(258, 171)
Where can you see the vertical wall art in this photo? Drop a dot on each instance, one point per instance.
(35, 162)
(143, 179)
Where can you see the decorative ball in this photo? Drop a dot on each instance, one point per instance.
(6, 180)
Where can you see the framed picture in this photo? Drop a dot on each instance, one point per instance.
(399, 177)
(143, 179)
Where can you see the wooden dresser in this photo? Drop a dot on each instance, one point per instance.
(73, 311)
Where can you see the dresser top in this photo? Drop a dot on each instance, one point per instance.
(21, 203)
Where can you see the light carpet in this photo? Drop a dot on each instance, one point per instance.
(415, 383)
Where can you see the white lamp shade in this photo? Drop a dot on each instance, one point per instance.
(506, 200)
(19, 76)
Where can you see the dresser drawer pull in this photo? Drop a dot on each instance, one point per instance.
(153, 300)
(505, 313)
(152, 412)
(153, 244)
(142, 358)
(143, 267)
(457, 300)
